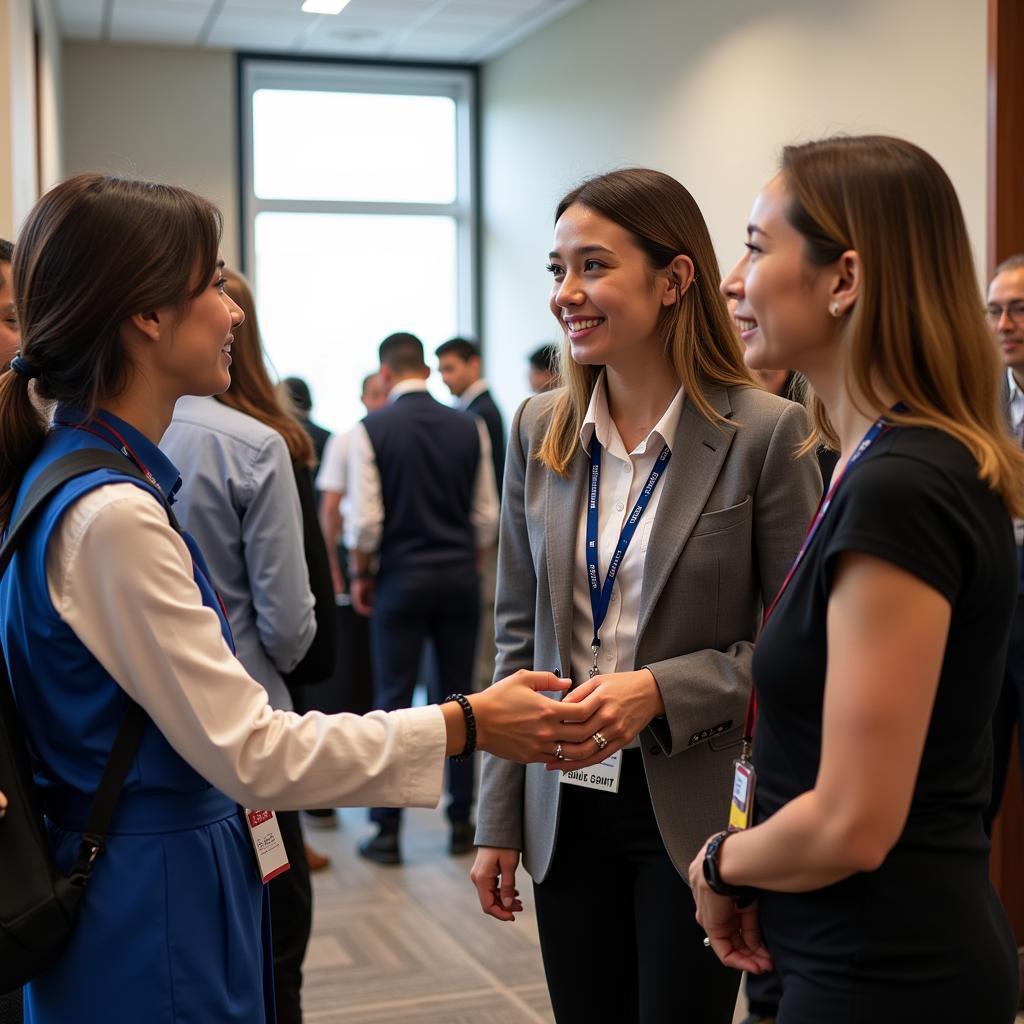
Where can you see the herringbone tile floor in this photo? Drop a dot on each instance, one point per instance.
(409, 945)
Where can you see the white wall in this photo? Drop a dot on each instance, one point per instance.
(29, 108)
(709, 92)
(149, 112)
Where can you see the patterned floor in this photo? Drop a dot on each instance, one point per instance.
(409, 945)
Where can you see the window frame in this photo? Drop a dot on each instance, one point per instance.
(458, 82)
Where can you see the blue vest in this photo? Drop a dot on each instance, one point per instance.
(72, 709)
(427, 456)
(175, 894)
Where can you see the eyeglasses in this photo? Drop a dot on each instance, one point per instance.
(1014, 312)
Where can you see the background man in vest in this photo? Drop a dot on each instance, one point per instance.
(423, 503)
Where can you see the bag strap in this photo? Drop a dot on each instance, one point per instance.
(129, 735)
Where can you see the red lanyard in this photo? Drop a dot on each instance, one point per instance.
(878, 428)
(126, 450)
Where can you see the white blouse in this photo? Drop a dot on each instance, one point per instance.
(121, 578)
(623, 476)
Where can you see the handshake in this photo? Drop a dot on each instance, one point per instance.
(517, 720)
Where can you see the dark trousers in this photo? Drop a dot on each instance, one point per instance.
(617, 929)
(402, 622)
(1008, 715)
(291, 918)
(763, 993)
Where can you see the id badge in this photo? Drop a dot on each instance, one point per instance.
(603, 776)
(741, 808)
(271, 858)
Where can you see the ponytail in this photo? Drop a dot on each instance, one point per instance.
(22, 432)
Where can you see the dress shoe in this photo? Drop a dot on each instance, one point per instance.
(461, 839)
(316, 861)
(381, 848)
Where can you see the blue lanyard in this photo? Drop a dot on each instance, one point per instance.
(600, 596)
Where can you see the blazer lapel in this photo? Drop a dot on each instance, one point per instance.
(561, 520)
(698, 455)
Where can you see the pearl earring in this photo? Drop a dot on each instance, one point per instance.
(834, 309)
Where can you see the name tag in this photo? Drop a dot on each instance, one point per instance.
(271, 858)
(741, 807)
(603, 776)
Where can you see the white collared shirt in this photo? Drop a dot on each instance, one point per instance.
(1016, 409)
(472, 393)
(364, 525)
(623, 476)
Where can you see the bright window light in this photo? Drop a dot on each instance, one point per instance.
(324, 6)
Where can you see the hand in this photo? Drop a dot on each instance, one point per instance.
(623, 703)
(363, 591)
(3, 804)
(494, 875)
(517, 723)
(734, 932)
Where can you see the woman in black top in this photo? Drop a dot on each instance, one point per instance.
(879, 668)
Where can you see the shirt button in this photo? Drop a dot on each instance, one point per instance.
(619, 506)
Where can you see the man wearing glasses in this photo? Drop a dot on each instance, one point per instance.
(1005, 313)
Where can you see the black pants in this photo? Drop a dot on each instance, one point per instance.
(291, 918)
(763, 993)
(1008, 714)
(401, 624)
(616, 921)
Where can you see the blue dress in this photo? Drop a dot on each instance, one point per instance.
(174, 924)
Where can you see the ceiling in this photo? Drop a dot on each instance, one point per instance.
(466, 31)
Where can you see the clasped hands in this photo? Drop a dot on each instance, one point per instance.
(520, 724)
(617, 706)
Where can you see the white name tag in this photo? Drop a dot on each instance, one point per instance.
(603, 776)
(267, 843)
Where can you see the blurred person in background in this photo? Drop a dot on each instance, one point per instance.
(302, 406)
(543, 372)
(248, 499)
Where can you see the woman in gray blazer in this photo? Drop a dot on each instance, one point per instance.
(652, 506)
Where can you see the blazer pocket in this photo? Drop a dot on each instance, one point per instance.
(724, 518)
(732, 738)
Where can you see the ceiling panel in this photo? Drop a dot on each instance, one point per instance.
(434, 29)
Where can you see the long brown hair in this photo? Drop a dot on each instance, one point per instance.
(918, 325)
(252, 390)
(698, 334)
(94, 251)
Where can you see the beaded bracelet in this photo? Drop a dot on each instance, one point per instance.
(467, 711)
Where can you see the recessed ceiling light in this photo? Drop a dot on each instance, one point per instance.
(324, 6)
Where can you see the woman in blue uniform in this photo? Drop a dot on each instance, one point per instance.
(121, 302)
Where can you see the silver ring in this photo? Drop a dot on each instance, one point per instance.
(558, 752)
(599, 740)
(707, 941)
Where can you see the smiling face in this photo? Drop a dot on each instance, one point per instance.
(781, 302)
(605, 294)
(193, 352)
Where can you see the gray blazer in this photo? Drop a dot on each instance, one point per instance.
(731, 518)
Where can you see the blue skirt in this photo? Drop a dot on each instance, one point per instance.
(174, 926)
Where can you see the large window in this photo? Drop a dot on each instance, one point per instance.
(358, 199)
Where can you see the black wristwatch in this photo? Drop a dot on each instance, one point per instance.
(743, 895)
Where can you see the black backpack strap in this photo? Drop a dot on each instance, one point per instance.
(54, 476)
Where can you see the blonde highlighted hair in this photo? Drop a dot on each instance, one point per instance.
(697, 332)
(917, 327)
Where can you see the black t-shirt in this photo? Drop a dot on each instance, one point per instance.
(915, 500)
